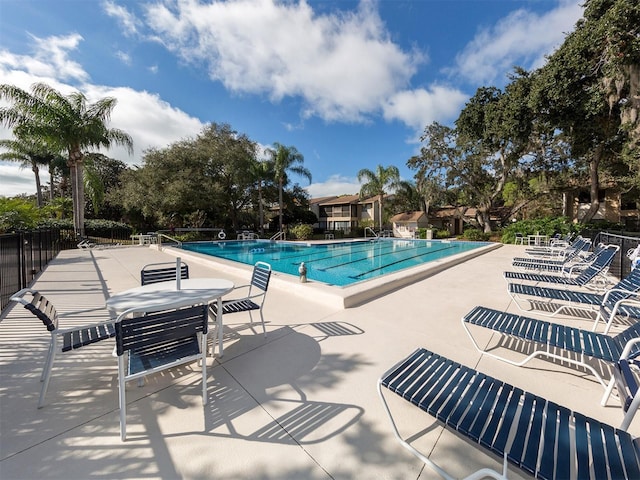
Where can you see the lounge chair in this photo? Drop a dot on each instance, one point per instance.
(538, 436)
(552, 340)
(153, 339)
(617, 300)
(62, 340)
(254, 298)
(556, 249)
(558, 265)
(163, 272)
(594, 274)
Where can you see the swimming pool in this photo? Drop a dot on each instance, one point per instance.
(336, 263)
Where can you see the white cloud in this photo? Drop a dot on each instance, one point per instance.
(334, 185)
(50, 58)
(150, 121)
(124, 57)
(15, 179)
(421, 107)
(343, 66)
(127, 20)
(522, 38)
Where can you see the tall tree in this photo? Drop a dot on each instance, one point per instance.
(376, 183)
(262, 172)
(589, 90)
(286, 160)
(66, 122)
(30, 152)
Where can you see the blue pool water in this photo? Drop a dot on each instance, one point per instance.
(340, 263)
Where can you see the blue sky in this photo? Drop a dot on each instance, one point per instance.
(350, 84)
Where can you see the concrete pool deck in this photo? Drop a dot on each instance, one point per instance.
(298, 404)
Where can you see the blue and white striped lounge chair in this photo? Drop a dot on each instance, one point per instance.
(594, 274)
(556, 250)
(620, 299)
(538, 436)
(554, 265)
(553, 340)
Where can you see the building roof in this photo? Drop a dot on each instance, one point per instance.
(408, 216)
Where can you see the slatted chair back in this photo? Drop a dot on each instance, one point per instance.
(62, 339)
(599, 266)
(626, 287)
(260, 278)
(255, 297)
(162, 272)
(169, 336)
(41, 308)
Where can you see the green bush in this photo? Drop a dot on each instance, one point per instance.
(543, 226)
(18, 214)
(301, 231)
(475, 235)
(443, 233)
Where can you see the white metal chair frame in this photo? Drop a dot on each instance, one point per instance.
(158, 338)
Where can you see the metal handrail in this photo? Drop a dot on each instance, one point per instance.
(370, 230)
(278, 236)
(160, 235)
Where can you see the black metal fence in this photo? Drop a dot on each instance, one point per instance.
(621, 265)
(24, 255)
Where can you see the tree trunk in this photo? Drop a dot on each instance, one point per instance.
(280, 182)
(260, 209)
(77, 190)
(594, 187)
(36, 172)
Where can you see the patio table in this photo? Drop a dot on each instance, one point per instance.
(196, 289)
(538, 240)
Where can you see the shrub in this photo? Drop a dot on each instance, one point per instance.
(544, 226)
(301, 231)
(475, 235)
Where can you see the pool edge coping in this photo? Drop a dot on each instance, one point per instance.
(339, 297)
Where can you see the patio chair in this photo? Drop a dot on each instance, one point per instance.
(552, 340)
(62, 340)
(519, 239)
(158, 338)
(594, 274)
(538, 436)
(162, 272)
(254, 299)
(617, 300)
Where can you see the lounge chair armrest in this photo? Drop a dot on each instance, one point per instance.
(19, 296)
(609, 291)
(629, 346)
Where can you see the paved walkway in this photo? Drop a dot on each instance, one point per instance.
(298, 404)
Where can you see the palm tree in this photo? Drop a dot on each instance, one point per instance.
(262, 171)
(30, 152)
(376, 183)
(286, 159)
(66, 122)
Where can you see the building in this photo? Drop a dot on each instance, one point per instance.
(407, 225)
(344, 212)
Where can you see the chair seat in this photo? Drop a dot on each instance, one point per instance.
(86, 336)
(231, 306)
(537, 435)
